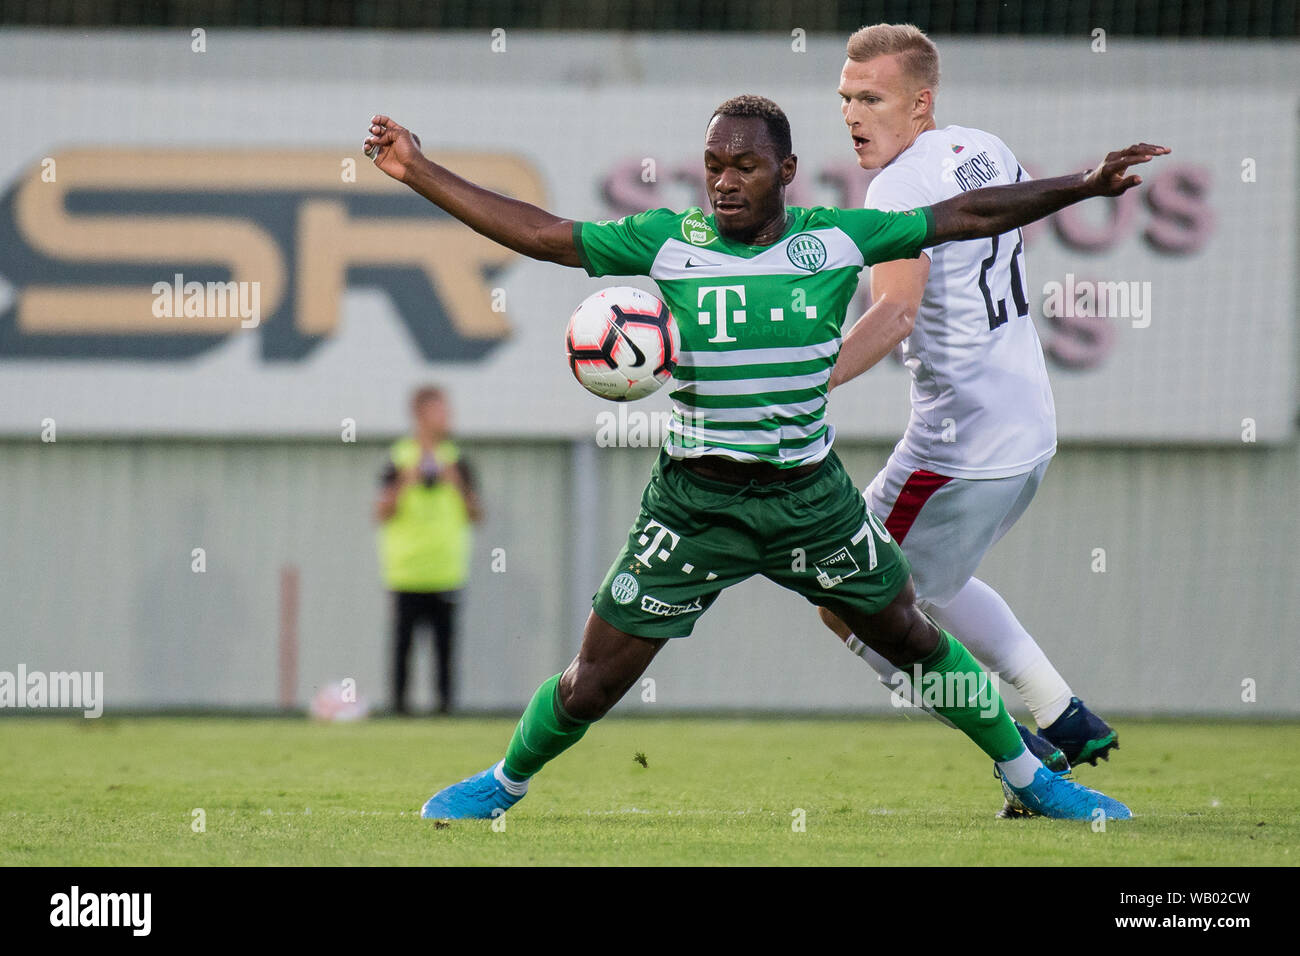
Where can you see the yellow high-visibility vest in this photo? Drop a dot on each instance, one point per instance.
(425, 546)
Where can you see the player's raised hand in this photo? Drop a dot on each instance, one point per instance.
(393, 147)
(1110, 179)
(516, 225)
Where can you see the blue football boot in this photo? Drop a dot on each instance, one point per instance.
(1052, 759)
(480, 797)
(1056, 796)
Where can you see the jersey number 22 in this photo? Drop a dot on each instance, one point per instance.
(1015, 268)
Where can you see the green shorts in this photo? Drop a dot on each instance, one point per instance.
(695, 536)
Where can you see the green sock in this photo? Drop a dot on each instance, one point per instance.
(545, 731)
(961, 691)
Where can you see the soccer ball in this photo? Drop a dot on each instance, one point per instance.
(622, 343)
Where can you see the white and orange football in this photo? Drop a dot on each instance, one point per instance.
(622, 343)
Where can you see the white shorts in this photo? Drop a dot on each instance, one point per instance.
(946, 525)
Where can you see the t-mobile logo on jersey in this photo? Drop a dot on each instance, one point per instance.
(719, 293)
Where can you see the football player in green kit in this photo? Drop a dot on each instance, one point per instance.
(760, 292)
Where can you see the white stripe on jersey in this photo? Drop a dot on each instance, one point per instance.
(759, 356)
(755, 386)
(742, 436)
(758, 413)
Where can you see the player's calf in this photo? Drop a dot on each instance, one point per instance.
(608, 664)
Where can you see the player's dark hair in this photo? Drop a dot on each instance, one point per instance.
(760, 107)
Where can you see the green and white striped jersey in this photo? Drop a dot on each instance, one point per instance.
(760, 325)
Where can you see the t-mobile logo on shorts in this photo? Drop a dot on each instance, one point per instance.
(652, 544)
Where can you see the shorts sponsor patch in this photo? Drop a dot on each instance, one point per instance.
(654, 606)
(834, 568)
(624, 588)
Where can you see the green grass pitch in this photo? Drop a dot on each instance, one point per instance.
(881, 791)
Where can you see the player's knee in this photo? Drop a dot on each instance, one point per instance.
(919, 640)
(900, 633)
(584, 696)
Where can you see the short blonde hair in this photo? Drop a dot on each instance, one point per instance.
(918, 55)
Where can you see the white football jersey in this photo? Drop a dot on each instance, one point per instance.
(981, 402)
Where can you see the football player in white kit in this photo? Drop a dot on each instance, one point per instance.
(983, 425)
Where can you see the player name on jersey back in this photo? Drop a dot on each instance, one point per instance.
(980, 170)
(981, 401)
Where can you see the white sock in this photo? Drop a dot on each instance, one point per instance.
(981, 619)
(516, 788)
(1020, 771)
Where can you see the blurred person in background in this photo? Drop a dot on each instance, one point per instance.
(426, 509)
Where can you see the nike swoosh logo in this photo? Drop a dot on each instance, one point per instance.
(696, 265)
(622, 333)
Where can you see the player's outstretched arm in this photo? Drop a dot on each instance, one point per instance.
(514, 224)
(991, 211)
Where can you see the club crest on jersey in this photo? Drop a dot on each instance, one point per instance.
(807, 252)
(697, 231)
